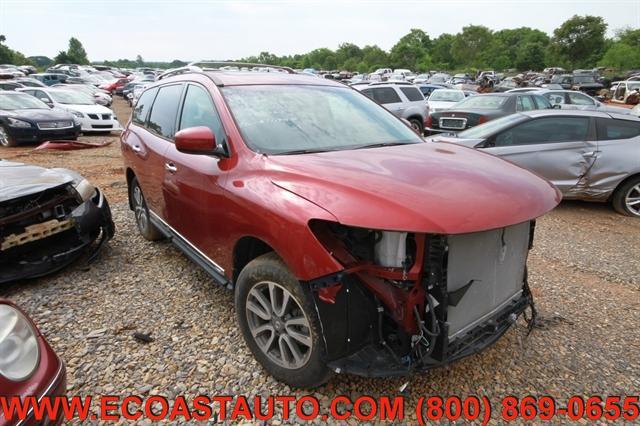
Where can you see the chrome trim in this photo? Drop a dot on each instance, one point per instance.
(48, 389)
(187, 241)
(462, 120)
(55, 128)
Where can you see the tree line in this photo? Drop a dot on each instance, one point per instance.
(580, 42)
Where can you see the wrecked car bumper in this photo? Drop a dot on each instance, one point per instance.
(47, 246)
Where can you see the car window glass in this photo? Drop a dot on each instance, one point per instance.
(545, 130)
(580, 99)
(412, 94)
(162, 118)
(385, 95)
(198, 110)
(142, 106)
(541, 102)
(524, 103)
(555, 98)
(609, 128)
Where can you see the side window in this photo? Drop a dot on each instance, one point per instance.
(368, 93)
(198, 110)
(555, 98)
(412, 94)
(610, 128)
(580, 99)
(524, 103)
(143, 105)
(545, 130)
(162, 119)
(541, 102)
(386, 95)
(41, 95)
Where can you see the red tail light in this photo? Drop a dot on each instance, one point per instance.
(428, 121)
(483, 119)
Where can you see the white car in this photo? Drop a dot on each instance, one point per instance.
(92, 117)
(441, 99)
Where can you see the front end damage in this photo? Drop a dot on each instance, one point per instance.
(45, 231)
(411, 301)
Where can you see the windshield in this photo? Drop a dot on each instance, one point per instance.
(483, 102)
(487, 129)
(288, 119)
(584, 79)
(446, 95)
(69, 97)
(20, 101)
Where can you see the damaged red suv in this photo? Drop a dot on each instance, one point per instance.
(352, 245)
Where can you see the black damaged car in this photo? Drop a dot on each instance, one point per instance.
(25, 118)
(48, 219)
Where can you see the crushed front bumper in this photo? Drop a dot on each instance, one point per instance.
(91, 221)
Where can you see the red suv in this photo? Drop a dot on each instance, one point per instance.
(351, 244)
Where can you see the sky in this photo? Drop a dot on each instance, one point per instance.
(162, 30)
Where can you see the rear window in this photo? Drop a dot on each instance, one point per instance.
(412, 94)
(143, 105)
(385, 95)
(162, 119)
(483, 102)
(610, 129)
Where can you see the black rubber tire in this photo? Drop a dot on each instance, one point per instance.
(620, 195)
(270, 267)
(417, 125)
(148, 231)
(11, 142)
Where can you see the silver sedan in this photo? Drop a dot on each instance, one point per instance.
(588, 155)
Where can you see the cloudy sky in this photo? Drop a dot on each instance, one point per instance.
(219, 29)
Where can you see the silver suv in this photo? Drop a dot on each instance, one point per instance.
(402, 99)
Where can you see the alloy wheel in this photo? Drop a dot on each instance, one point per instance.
(632, 200)
(140, 209)
(278, 325)
(4, 137)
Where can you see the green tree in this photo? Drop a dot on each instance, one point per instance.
(629, 36)
(373, 56)
(580, 40)
(441, 52)
(62, 58)
(621, 56)
(468, 47)
(10, 56)
(410, 50)
(139, 61)
(76, 52)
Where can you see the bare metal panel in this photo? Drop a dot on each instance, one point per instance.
(494, 260)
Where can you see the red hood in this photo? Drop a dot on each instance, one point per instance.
(432, 188)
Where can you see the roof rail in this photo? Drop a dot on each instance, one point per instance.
(178, 71)
(200, 64)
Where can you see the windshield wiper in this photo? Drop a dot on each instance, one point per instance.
(303, 151)
(381, 144)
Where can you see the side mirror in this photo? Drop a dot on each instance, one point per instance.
(198, 140)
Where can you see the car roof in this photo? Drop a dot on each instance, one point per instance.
(574, 112)
(243, 78)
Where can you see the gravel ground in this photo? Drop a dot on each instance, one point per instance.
(584, 272)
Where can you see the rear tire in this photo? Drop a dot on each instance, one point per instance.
(143, 219)
(5, 138)
(417, 125)
(279, 323)
(626, 199)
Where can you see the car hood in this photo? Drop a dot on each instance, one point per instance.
(470, 143)
(426, 187)
(38, 114)
(87, 109)
(18, 179)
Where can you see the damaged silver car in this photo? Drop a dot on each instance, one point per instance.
(48, 219)
(588, 155)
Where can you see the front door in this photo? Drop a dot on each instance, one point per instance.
(561, 149)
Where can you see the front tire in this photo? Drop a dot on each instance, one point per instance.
(279, 323)
(143, 219)
(5, 138)
(626, 199)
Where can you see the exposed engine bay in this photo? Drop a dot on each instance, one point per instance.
(408, 301)
(48, 219)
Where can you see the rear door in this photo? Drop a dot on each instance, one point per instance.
(580, 101)
(150, 138)
(195, 200)
(560, 148)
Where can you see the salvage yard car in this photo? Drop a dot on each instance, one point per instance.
(25, 119)
(402, 99)
(479, 109)
(48, 219)
(351, 244)
(587, 155)
(28, 365)
(92, 117)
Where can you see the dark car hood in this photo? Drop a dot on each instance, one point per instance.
(426, 187)
(39, 114)
(18, 179)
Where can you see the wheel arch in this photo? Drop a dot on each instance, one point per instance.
(130, 175)
(623, 182)
(245, 250)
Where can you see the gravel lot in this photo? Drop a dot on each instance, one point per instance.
(585, 274)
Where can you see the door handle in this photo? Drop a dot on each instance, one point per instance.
(136, 148)
(591, 154)
(170, 167)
